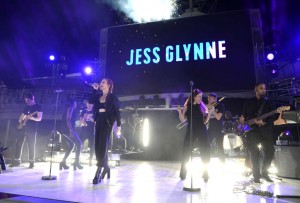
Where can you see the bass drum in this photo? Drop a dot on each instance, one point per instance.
(233, 144)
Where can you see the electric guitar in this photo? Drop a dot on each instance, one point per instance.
(245, 127)
(25, 119)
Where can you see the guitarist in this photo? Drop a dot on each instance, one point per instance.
(28, 124)
(261, 132)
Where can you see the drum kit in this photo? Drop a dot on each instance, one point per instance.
(233, 141)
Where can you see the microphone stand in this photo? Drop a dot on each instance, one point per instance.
(50, 177)
(192, 188)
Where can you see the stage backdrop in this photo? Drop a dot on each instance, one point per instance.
(217, 52)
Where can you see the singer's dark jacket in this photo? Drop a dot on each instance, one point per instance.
(112, 107)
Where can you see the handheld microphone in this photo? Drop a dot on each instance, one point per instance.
(191, 83)
(89, 84)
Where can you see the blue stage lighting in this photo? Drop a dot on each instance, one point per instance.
(88, 70)
(52, 57)
(270, 56)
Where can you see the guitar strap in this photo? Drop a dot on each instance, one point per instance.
(261, 107)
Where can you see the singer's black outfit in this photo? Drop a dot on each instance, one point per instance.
(88, 131)
(263, 135)
(215, 128)
(29, 131)
(104, 123)
(199, 132)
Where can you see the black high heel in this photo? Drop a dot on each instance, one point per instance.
(106, 170)
(77, 165)
(63, 165)
(97, 178)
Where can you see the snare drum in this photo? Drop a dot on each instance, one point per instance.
(232, 144)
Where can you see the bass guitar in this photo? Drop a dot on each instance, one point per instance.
(25, 119)
(246, 126)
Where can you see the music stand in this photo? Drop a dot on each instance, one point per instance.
(54, 132)
(192, 188)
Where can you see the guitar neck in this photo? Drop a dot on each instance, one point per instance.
(252, 121)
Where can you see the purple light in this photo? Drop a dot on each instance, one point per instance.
(274, 71)
(287, 133)
(270, 56)
(88, 70)
(51, 57)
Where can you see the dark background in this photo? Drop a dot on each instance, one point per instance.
(235, 72)
(32, 30)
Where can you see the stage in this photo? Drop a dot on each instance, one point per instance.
(140, 181)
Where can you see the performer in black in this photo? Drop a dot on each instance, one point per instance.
(70, 135)
(215, 124)
(199, 131)
(106, 113)
(228, 124)
(88, 127)
(261, 132)
(28, 125)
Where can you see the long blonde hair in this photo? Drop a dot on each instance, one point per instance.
(110, 83)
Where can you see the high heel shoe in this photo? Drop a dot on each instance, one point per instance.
(63, 165)
(97, 178)
(105, 171)
(77, 165)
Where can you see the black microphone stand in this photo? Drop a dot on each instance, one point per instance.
(192, 188)
(54, 132)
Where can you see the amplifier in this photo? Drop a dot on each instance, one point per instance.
(287, 161)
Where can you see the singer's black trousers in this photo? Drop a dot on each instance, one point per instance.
(199, 139)
(102, 139)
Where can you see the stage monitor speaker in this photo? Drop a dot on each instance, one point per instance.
(287, 161)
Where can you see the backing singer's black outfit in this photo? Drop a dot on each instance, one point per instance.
(71, 141)
(262, 135)
(199, 132)
(105, 115)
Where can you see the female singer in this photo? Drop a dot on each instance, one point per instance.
(194, 111)
(106, 113)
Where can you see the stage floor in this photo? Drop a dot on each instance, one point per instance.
(140, 181)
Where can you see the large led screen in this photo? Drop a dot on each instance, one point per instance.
(216, 52)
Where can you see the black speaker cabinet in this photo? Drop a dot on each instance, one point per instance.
(287, 161)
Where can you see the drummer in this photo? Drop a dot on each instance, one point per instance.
(228, 125)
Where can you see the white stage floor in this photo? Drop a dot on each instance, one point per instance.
(141, 181)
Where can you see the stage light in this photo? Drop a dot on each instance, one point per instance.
(285, 134)
(146, 11)
(270, 56)
(52, 57)
(88, 70)
(273, 170)
(273, 70)
(146, 132)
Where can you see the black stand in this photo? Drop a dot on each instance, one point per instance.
(2, 161)
(50, 177)
(192, 188)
